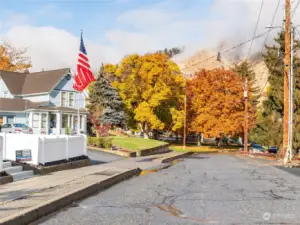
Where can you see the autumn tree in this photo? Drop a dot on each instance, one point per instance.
(12, 59)
(152, 88)
(216, 103)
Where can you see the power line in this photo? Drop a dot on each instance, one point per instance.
(277, 64)
(295, 9)
(272, 23)
(227, 50)
(261, 7)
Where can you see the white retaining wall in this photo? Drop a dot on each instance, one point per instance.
(44, 148)
(1, 153)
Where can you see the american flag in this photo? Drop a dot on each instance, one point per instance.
(84, 74)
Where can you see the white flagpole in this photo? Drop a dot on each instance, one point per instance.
(78, 106)
(78, 114)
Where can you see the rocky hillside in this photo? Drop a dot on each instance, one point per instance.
(198, 61)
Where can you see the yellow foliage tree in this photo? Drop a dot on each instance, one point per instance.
(152, 88)
(12, 59)
(216, 103)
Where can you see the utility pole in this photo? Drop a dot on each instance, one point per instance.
(184, 123)
(246, 118)
(287, 66)
(289, 153)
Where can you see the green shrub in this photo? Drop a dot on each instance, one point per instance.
(68, 131)
(91, 141)
(107, 142)
(100, 142)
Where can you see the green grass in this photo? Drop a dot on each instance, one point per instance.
(135, 144)
(194, 148)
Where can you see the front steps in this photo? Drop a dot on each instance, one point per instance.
(17, 171)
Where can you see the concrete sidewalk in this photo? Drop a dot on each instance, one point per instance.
(25, 201)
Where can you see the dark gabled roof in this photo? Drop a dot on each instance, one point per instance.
(20, 105)
(17, 104)
(32, 83)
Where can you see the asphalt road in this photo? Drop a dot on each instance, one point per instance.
(202, 189)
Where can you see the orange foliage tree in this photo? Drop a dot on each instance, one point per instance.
(216, 103)
(12, 59)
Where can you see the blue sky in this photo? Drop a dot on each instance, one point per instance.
(95, 17)
(114, 28)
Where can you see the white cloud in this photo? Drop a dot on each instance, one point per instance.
(52, 48)
(224, 24)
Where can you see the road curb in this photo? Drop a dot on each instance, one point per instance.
(172, 158)
(128, 154)
(34, 213)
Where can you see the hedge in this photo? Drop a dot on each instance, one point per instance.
(100, 142)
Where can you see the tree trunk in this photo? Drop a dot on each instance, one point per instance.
(199, 139)
(145, 130)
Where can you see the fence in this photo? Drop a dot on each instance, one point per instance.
(1, 152)
(42, 149)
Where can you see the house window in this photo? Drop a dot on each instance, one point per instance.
(52, 121)
(64, 120)
(35, 120)
(71, 99)
(63, 98)
(44, 120)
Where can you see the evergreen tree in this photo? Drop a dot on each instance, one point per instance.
(245, 71)
(170, 52)
(269, 125)
(94, 106)
(104, 96)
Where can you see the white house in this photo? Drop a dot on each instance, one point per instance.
(45, 101)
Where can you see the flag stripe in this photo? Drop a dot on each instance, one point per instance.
(81, 55)
(84, 74)
(84, 63)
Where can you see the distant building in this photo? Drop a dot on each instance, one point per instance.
(45, 101)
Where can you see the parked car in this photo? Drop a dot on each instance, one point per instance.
(273, 149)
(16, 128)
(256, 148)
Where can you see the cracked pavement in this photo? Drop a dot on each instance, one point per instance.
(201, 189)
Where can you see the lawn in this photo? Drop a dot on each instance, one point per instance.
(134, 144)
(194, 148)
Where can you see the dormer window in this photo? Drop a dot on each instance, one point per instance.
(63, 98)
(71, 99)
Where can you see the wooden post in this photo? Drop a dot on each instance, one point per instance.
(246, 118)
(184, 129)
(287, 65)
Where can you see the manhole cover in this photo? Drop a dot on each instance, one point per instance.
(106, 173)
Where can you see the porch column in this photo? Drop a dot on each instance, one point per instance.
(30, 120)
(1, 152)
(72, 122)
(47, 123)
(83, 123)
(58, 123)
